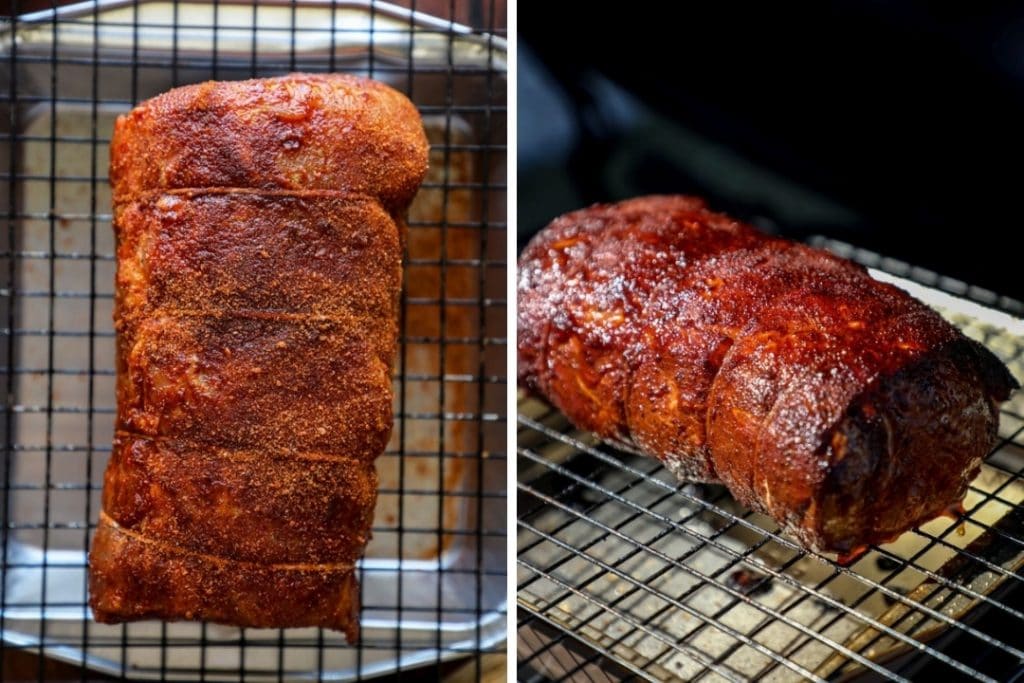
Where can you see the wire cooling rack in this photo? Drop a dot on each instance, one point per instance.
(433, 581)
(626, 573)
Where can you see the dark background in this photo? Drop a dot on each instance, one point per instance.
(893, 126)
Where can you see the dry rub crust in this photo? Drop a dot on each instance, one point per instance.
(296, 132)
(320, 252)
(132, 577)
(258, 381)
(250, 505)
(838, 405)
(259, 265)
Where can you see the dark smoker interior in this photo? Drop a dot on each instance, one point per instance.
(891, 126)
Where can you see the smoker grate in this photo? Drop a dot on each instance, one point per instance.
(625, 572)
(433, 581)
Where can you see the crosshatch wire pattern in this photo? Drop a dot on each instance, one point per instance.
(433, 581)
(625, 573)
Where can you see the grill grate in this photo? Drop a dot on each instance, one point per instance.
(433, 581)
(625, 572)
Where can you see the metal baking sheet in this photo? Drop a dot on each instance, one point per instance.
(426, 571)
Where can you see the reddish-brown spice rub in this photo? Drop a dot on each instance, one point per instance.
(838, 405)
(259, 230)
(298, 132)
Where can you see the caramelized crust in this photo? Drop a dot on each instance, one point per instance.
(296, 132)
(259, 265)
(737, 357)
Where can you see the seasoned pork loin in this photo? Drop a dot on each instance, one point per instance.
(259, 230)
(836, 404)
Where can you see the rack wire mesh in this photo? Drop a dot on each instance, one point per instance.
(625, 573)
(433, 581)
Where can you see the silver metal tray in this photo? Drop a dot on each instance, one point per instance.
(433, 579)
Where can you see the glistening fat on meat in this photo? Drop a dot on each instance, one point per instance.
(839, 406)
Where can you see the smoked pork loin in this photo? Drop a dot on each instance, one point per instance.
(838, 405)
(259, 245)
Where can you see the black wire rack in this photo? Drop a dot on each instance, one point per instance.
(625, 573)
(433, 580)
